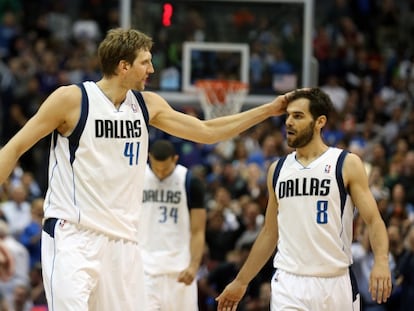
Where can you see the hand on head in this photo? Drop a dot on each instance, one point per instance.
(281, 102)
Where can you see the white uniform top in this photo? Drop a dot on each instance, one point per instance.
(165, 227)
(96, 173)
(315, 216)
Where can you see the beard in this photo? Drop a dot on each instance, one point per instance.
(303, 138)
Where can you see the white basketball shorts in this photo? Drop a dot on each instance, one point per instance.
(305, 293)
(87, 270)
(167, 294)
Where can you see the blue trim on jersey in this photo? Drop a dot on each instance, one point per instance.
(77, 132)
(49, 226)
(188, 177)
(141, 103)
(354, 285)
(54, 139)
(277, 170)
(340, 180)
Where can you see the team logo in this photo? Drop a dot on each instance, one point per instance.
(327, 168)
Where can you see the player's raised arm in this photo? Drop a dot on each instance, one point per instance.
(211, 131)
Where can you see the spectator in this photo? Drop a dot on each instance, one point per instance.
(31, 235)
(17, 210)
(225, 272)
(407, 273)
(407, 176)
(220, 240)
(398, 251)
(21, 259)
(363, 261)
(271, 148)
(252, 219)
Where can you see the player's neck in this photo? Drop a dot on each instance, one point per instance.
(115, 94)
(310, 152)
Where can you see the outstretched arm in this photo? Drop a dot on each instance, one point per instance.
(262, 249)
(356, 178)
(164, 117)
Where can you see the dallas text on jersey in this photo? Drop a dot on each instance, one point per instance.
(162, 196)
(304, 187)
(118, 128)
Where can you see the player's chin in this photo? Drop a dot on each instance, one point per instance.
(140, 88)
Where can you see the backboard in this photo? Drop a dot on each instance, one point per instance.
(214, 60)
(226, 29)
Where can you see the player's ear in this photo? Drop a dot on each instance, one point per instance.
(321, 121)
(176, 157)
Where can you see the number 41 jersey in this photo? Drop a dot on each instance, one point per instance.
(95, 173)
(315, 216)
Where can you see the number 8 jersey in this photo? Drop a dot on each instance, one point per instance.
(96, 173)
(315, 216)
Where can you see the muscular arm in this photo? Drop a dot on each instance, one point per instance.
(262, 249)
(57, 112)
(188, 127)
(356, 179)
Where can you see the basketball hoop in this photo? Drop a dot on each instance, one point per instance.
(221, 97)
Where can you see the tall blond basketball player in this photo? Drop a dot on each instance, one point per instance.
(91, 257)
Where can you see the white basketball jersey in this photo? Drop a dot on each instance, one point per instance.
(315, 216)
(165, 223)
(96, 173)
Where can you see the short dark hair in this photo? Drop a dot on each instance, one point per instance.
(319, 102)
(162, 149)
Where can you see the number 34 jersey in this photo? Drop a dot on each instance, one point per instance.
(315, 216)
(164, 231)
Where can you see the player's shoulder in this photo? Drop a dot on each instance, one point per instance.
(280, 160)
(70, 92)
(352, 158)
(353, 164)
(152, 97)
(275, 167)
(155, 103)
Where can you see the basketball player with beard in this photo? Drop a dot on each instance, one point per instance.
(313, 194)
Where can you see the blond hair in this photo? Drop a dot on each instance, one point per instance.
(121, 44)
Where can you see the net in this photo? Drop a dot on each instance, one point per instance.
(221, 97)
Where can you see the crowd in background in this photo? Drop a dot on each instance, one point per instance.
(366, 64)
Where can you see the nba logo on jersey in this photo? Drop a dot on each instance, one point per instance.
(276, 276)
(327, 168)
(134, 107)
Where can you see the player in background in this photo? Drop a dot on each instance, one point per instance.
(172, 227)
(313, 192)
(91, 258)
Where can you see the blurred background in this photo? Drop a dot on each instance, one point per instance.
(360, 52)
